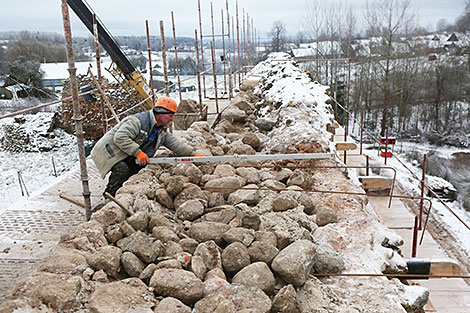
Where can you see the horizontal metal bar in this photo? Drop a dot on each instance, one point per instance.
(224, 35)
(250, 157)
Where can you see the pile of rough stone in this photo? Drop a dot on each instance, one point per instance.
(240, 237)
(119, 99)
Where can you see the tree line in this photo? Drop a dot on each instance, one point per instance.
(404, 82)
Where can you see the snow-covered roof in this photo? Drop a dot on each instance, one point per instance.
(320, 47)
(60, 70)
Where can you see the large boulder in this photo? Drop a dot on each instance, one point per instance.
(190, 210)
(285, 301)
(142, 246)
(294, 263)
(182, 120)
(258, 275)
(235, 257)
(180, 284)
(172, 305)
(106, 258)
(225, 185)
(234, 298)
(210, 254)
(121, 296)
(57, 291)
(206, 231)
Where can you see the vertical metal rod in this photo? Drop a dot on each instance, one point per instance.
(24, 185)
(53, 167)
(223, 49)
(77, 117)
(150, 60)
(244, 44)
(165, 68)
(199, 91)
(229, 48)
(423, 180)
(19, 183)
(213, 43)
(202, 49)
(238, 47)
(253, 42)
(367, 165)
(386, 145)
(98, 67)
(103, 96)
(215, 77)
(362, 131)
(176, 56)
(415, 238)
(347, 99)
(233, 51)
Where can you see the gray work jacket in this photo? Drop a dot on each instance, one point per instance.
(126, 137)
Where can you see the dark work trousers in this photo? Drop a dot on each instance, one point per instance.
(120, 172)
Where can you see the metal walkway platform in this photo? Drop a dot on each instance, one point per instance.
(28, 233)
(446, 295)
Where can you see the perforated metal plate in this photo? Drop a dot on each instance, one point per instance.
(12, 272)
(40, 222)
(92, 172)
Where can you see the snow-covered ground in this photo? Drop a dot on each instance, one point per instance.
(21, 140)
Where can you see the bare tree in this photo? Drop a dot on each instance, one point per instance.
(278, 36)
(463, 21)
(387, 19)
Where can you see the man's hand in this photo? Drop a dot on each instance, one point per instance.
(142, 158)
(198, 155)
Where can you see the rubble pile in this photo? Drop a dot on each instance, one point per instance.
(119, 99)
(31, 133)
(238, 237)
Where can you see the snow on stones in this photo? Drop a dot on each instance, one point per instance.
(223, 237)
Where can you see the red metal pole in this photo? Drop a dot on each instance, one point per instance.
(367, 165)
(415, 238)
(386, 145)
(362, 131)
(150, 60)
(77, 117)
(423, 180)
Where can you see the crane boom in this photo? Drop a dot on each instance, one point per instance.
(131, 74)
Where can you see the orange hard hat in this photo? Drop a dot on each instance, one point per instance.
(169, 105)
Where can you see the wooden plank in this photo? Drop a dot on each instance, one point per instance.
(444, 267)
(342, 146)
(374, 182)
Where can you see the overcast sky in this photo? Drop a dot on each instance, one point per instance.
(127, 17)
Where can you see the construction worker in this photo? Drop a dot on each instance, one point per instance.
(126, 148)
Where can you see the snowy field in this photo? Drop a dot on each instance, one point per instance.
(23, 138)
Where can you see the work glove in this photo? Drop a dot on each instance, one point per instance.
(198, 155)
(142, 158)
